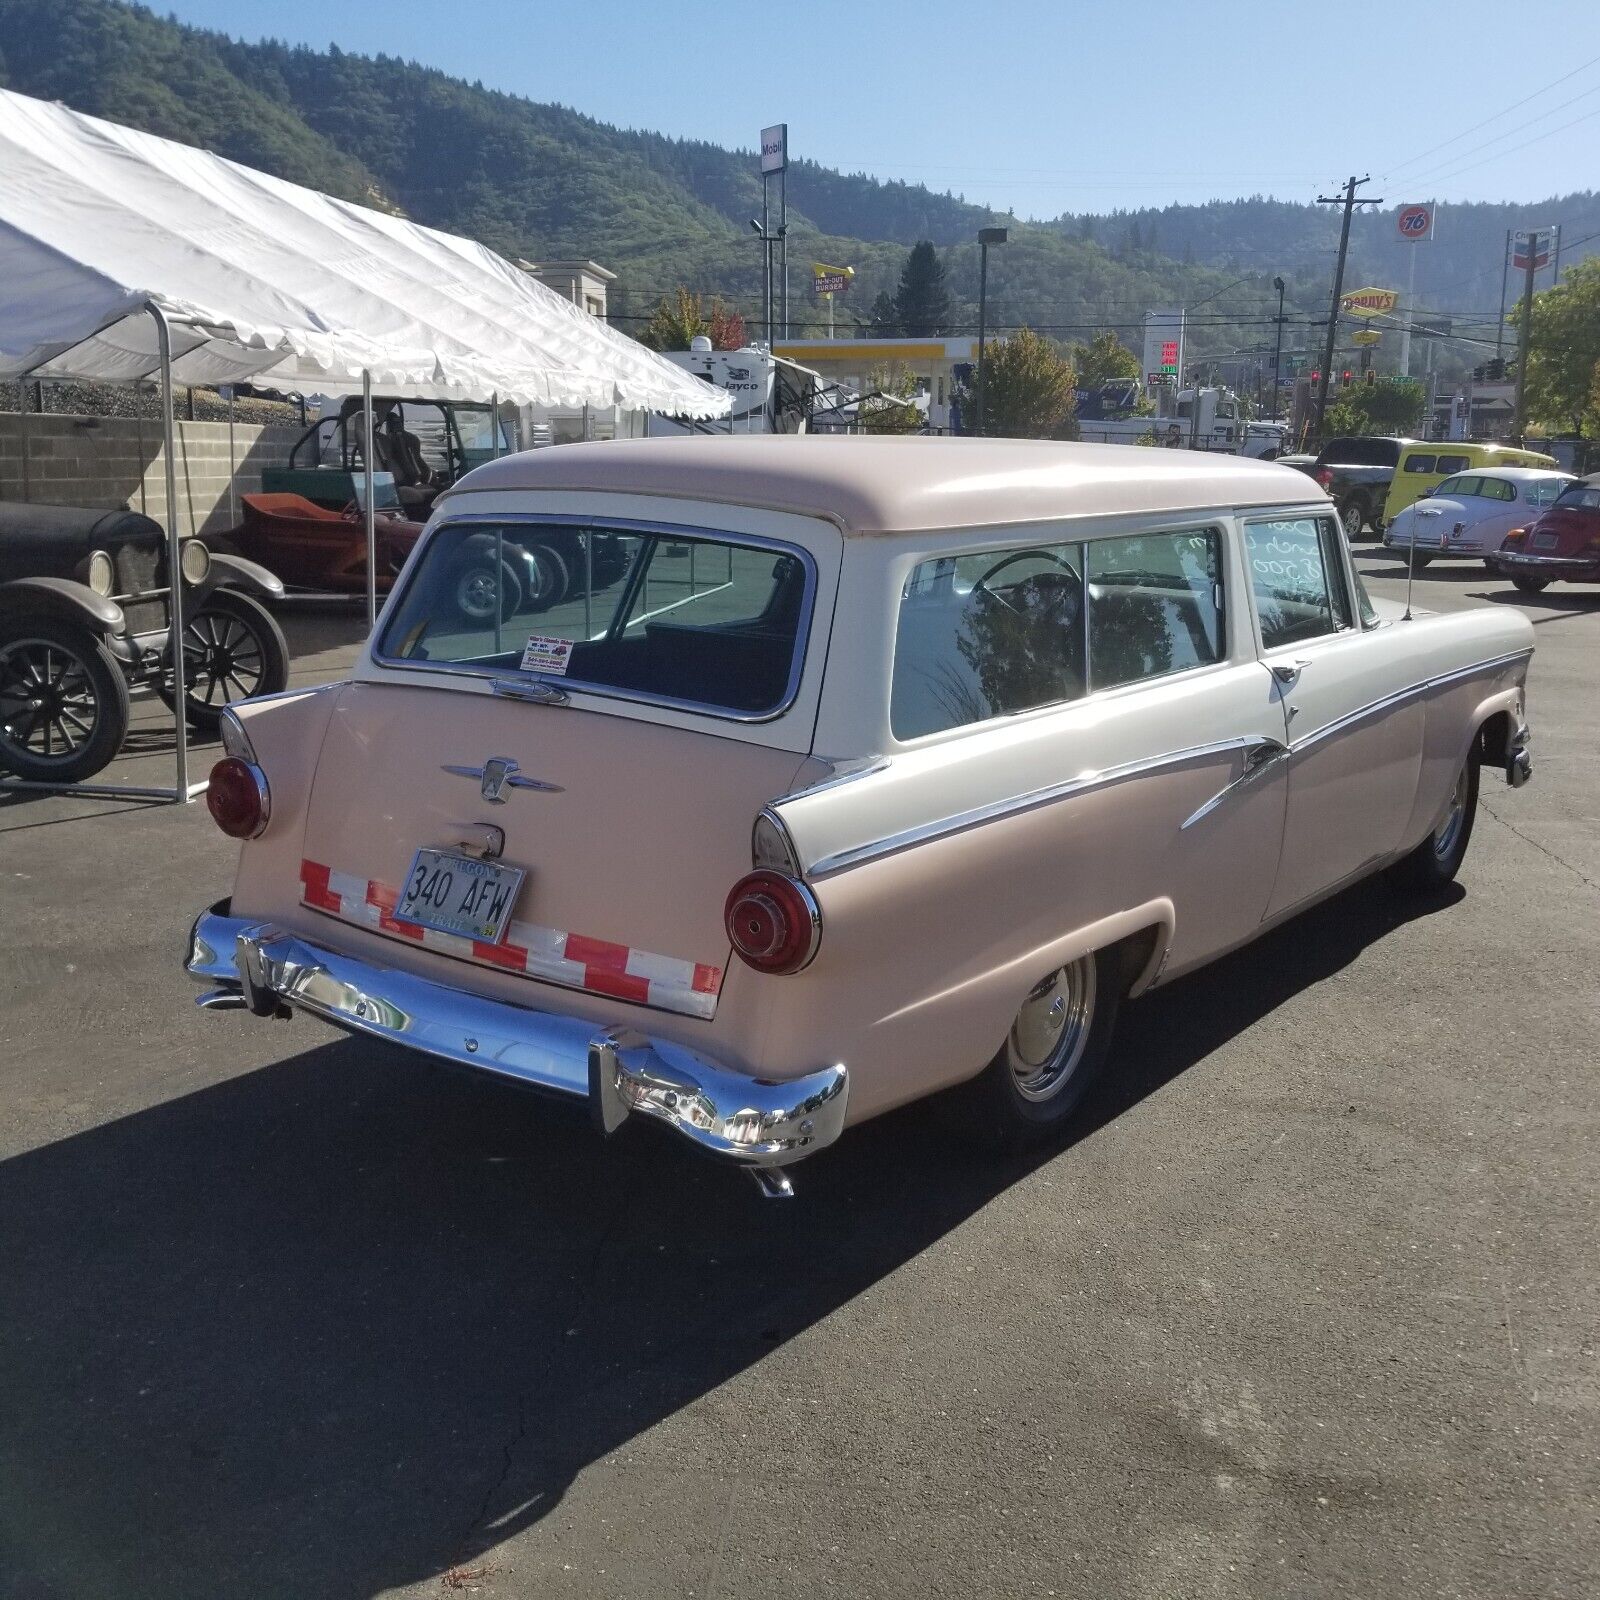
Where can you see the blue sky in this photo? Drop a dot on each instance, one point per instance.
(1044, 107)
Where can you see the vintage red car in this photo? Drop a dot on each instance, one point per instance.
(1563, 543)
(311, 547)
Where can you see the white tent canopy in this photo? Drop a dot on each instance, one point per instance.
(266, 282)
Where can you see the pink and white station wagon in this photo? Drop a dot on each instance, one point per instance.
(834, 772)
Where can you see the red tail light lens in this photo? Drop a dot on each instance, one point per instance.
(237, 798)
(1325, 477)
(773, 922)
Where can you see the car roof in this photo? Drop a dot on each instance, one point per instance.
(902, 484)
(1512, 474)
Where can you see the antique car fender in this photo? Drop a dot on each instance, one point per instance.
(235, 572)
(61, 598)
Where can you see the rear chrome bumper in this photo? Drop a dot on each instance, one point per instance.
(761, 1125)
(1546, 566)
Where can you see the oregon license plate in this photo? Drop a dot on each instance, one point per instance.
(459, 894)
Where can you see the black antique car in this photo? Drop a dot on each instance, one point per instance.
(85, 615)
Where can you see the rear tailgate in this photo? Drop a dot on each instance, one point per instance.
(630, 843)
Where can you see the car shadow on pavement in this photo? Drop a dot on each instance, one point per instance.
(337, 1324)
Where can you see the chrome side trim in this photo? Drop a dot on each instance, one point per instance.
(961, 821)
(534, 689)
(1413, 691)
(751, 1121)
(843, 772)
(1260, 756)
(772, 845)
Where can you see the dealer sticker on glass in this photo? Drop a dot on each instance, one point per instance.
(546, 653)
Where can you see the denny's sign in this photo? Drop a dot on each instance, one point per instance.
(1369, 302)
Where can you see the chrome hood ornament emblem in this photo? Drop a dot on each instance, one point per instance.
(498, 774)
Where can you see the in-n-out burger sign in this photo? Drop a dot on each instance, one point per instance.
(1369, 302)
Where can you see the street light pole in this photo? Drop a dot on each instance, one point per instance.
(1277, 348)
(986, 237)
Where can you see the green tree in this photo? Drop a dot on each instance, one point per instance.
(882, 416)
(1027, 390)
(1564, 351)
(1391, 405)
(922, 302)
(883, 319)
(675, 322)
(1105, 359)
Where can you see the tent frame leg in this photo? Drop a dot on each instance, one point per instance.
(182, 791)
(370, 510)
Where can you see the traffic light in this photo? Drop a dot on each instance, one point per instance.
(1497, 370)
(1344, 379)
(1480, 373)
(1316, 375)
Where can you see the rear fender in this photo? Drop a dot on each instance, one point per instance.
(235, 572)
(63, 599)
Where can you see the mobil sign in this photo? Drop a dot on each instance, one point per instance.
(1415, 223)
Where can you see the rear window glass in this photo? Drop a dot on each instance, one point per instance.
(1419, 464)
(660, 615)
(1496, 489)
(1580, 498)
(1005, 631)
(1452, 463)
(1543, 492)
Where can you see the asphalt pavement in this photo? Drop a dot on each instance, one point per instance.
(1308, 1308)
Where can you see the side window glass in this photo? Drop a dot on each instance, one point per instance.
(1470, 487)
(1297, 573)
(1497, 489)
(987, 635)
(1155, 606)
(1449, 486)
(1452, 463)
(1419, 464)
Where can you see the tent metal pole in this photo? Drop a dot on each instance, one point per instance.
(169, 431)
(233, 466)
(369, 499)
(494, 431)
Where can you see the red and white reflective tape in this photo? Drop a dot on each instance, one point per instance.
(572, 959)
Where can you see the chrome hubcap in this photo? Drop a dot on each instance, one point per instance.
(1449, 831)
(480, 593)
(1052, 1030)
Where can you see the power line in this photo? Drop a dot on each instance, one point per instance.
(1456, 138)
(1495, 155)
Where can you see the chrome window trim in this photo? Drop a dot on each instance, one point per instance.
(502, 681)
(1265, 750)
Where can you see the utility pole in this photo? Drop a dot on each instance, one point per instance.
(1349, 202)
(1535, 237)
(1277, 348)
(1505, 269)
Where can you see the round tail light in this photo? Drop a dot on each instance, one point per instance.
(773, 922)
(1325, 477)
(237, 798)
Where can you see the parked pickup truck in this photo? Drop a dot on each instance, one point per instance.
(1356, 473)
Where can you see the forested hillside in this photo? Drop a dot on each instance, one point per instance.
(538, 180)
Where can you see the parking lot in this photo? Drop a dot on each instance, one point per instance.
(1309, 1307)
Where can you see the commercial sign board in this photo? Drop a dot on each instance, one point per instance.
(775, 148)
(1369, 302)
(1163, 346)
(830, 280)
(1366, 336)
(1535, 243)
(1415, 223)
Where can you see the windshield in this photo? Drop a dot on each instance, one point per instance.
(1582, 497)
(657, 614)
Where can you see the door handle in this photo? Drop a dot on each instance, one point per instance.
(1288, 672)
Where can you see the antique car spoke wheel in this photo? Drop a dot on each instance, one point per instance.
(63, 705)
(232, 648)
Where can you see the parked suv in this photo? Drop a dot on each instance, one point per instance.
(1357, 473)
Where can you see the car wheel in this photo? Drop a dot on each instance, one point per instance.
(1355, 513)
(233, 648)
(550, 580)
(1052, 1057)
(1419, 561)
(480, 584)
(1436, 861)
(1531, 585)
(63, 703)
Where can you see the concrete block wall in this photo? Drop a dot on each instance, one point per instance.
(114, 461)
